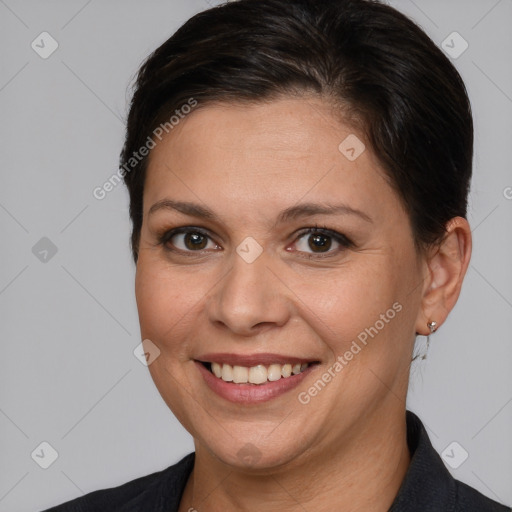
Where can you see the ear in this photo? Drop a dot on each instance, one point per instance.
(445, 268)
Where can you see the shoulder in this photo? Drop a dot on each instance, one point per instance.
(469, 499)
(161, 490)
(428, 485)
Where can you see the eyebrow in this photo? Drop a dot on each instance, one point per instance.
(293, 212)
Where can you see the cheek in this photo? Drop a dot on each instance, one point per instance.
(344, 301)
(167, 301)
(363, 311)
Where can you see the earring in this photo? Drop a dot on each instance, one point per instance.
(433, 328)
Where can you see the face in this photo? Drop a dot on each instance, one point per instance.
(266, 247)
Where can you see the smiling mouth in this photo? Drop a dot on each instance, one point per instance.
(258, 374)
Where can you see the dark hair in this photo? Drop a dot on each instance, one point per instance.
(384, 75)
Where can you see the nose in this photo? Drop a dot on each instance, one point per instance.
(250, 298)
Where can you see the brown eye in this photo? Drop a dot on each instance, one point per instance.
(322, 241)
(195, 241)
(319, 243)
(188, 240)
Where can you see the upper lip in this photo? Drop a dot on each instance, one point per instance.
(249, 360)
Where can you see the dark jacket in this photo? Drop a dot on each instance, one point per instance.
(427, 487)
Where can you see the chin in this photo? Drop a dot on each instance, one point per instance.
(254, 454)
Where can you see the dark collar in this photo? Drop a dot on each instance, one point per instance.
(427, 480)
(427, 487)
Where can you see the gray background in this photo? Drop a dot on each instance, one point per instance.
(69, 325)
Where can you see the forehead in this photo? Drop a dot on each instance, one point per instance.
(292, 127)
(267, 155)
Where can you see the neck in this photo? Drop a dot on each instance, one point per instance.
(361, 475)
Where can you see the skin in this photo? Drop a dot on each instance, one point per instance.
(345, 449)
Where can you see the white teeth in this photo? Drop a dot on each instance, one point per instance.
(227, 373)
(240, 374)
(274, 372)
(217, 370)
(286, 370)
(259, 374)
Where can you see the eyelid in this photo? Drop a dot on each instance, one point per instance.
(169, 233)
(339, 237)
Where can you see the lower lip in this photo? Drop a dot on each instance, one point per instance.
(251, 393)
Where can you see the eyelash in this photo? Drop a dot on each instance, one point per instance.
(341, 239)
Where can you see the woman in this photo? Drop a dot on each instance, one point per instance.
(298, 174)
